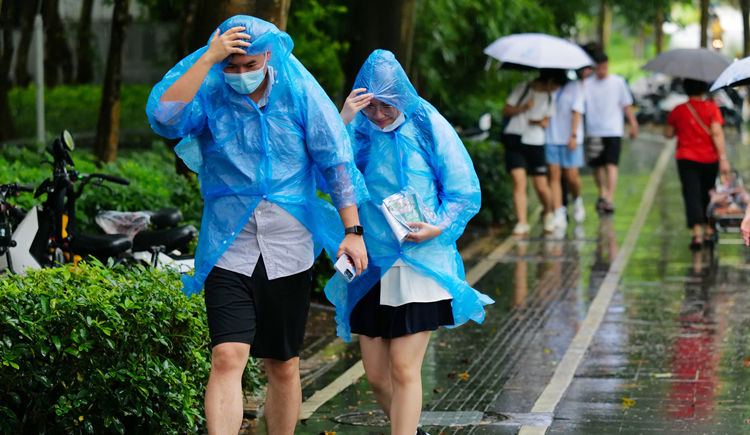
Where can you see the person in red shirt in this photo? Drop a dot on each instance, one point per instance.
(698, 125)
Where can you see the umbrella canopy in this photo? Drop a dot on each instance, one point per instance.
(737, 74)
(537, 50)
(690, 63)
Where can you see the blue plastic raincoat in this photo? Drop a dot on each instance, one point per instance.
(243, 154)
(424, 153)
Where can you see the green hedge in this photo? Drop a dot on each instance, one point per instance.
(83, 101)
(497, 192)
(102, 350)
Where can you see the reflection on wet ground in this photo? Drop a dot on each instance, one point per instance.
(671, 354)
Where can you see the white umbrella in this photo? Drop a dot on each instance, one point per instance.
(736, 74)
(537, 50)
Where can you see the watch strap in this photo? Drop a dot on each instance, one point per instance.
(356, 229)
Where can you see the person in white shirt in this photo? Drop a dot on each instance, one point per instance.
(529, 107)
(564, 151)
(607, 100)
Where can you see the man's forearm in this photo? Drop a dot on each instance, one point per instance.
(630, 115)
(349, 216)
(187, 86)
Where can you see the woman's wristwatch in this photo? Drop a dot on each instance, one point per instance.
(357, 229)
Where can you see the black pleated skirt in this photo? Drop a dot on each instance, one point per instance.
(371, 319)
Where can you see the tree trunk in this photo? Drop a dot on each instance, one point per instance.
(704, 23)
(659, 30)
(108, 126)
(387, 24)
(6, 121)
(84, 50)
(745, 5)
(601, 25)
(58, 59)
(275, 11)
(28, 11)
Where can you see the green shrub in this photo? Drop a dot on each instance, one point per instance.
(99, 350)
(83, 101)
(497, 192)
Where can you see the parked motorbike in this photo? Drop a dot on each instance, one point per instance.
(47, 235)
(10, 217)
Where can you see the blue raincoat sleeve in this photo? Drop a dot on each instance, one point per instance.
(328, 144)
(459, 192)
(176, 119)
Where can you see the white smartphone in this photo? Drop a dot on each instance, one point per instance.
(345, 266)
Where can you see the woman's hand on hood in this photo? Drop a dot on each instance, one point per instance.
(354, 103)
(223, 46)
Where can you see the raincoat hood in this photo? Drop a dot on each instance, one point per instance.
(384, 77)
(264, 37)
(423, 155)
(244, 153)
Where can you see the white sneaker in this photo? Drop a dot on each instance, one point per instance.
(521, 229)
(549, 222)
(561, 218)
(579, 212)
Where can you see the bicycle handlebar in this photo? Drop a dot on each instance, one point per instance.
(16, 187)
(112, 178)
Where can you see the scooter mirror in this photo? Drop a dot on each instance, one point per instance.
(67, 140)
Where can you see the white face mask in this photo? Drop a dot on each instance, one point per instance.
(246, 83)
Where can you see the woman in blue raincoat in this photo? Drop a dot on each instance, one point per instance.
(257, 128)
(403, 144)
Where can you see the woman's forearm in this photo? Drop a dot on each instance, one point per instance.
(576, 121)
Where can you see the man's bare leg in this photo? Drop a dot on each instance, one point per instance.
(224, 390)
(284, 396)
(573, 180)
(599, 177)
(611, 182)
(555, 184)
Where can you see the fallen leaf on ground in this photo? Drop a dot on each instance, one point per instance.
(547, 351)
(627, 403)
(747, 363)
(452, 375)
(437, 391)
(464, 376)
(464, 360)
(662, 375)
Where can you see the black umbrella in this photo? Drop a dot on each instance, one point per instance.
(690, 63)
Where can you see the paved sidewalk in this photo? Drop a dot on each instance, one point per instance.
(671, 353)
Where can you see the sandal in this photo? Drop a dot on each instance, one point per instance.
(608, 207)
(710, 240)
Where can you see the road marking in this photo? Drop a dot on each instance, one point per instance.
(357, 370)
(331, 390)
(563, 376)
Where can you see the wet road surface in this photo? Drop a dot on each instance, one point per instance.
(671, 354)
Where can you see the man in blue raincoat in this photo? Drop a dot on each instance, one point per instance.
(256, 126)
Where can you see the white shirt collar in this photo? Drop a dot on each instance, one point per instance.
(267, 94)
(396, 124)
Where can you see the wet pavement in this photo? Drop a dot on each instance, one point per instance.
(671, 354)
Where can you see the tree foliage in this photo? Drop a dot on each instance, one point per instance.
(448, 52)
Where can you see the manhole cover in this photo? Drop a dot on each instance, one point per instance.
(428, 418)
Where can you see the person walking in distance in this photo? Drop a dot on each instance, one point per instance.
(529, 107)
(701, 155)
(608, 101)
(256, 127)
(564, 151)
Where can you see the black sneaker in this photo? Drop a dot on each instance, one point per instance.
(695, 244)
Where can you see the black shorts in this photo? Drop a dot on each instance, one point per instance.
(371, 319)
(529, 157)
(269, 315)
(605, 153)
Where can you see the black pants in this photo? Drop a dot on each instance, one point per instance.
(697, 179)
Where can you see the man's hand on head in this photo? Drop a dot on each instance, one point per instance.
(223, 46)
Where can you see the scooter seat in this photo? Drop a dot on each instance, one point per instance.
(101, 246)
(170, 239)
(167, 217)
